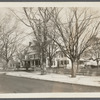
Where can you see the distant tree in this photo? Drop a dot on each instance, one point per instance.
(20, 53)
(8, 39)
(94, 50)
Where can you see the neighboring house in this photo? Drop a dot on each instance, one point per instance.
(89, 59)
(32, 59)
(59, 60)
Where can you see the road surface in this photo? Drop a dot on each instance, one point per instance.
(12, 84)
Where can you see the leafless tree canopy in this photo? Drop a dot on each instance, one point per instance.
(75, 36)
(69, 29)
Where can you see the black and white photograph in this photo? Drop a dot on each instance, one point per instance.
(50, 49)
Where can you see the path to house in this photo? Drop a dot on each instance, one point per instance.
(82, 80)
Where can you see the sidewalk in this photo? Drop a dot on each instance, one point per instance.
(82, 80)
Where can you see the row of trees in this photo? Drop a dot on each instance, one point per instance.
(10, 38)
(72, 34)
(72, 30)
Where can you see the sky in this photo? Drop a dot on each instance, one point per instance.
(5, 11)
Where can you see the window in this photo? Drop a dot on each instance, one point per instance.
(61, 62)
(31, 56)
(81, 62)
(65, 62)
(62, 55)
(34, 55)
(39, 62)
(36, 62)
(33, 62)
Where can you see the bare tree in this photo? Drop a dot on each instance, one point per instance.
(8, 39)
(20, 53)
(38, 20)
(94, 50)
(51, 51)
(75, 34)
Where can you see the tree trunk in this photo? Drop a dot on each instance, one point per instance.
(6, 65)
(74, 69)
(77, 63)
(50, 62)
(97, 63)
(43, 65)
(26, 68)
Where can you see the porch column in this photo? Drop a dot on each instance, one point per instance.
(31, 65)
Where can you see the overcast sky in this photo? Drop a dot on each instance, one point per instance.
(4, 11)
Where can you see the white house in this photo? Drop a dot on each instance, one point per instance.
(59, 60)
(32, 59)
